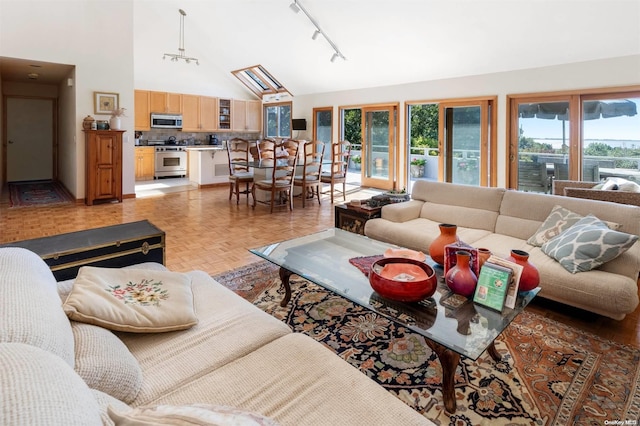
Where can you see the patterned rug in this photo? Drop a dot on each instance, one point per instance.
(550, 373)
(37, 193)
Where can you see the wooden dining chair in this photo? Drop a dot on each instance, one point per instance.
(309, 178)
(282, 174)
(266, 149)
(340, 153)
(239, 172)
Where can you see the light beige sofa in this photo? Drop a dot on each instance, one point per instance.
(59, 372)
(502, 220)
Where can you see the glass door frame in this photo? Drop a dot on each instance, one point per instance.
(394, 158)
(327, 148)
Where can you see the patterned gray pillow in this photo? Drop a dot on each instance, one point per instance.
(587, 244)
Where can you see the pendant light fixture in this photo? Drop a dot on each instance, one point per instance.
(175, 56)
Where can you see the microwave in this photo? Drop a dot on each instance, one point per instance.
(166, 121)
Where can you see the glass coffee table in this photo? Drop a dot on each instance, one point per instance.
(452, 325)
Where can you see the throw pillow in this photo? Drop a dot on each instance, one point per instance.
(559, 220)
(194, 414)
(132, 300)
(105, 363)
(588, 244)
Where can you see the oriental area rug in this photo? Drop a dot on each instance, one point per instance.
(550, 373)
(37, 193)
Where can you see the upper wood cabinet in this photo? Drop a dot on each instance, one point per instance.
(198, 113)
(142, 119)
(246, 116)
(165, 102)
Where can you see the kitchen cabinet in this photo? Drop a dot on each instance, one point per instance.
(142, 114)
(246, 116)
(103, 165)
(224, 114)
(208, 166)
(145, 162)
(198, 113)
(165, 102)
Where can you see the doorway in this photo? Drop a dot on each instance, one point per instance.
(30, 150)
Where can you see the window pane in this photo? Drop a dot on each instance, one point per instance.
(272, 122)
(285, 121)
(423, 142)
(611, 139)
(466, 129)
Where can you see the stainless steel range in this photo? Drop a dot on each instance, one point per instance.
(171, 160)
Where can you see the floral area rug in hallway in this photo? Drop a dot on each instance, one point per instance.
(38, 193)
(550, 373)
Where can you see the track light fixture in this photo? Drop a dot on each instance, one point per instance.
(180, 55)
(296, 6)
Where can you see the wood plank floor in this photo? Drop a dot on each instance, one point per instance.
(204, 230)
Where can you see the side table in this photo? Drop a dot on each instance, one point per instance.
(353, 218)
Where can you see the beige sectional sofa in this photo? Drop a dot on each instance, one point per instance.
(54, 371)
(502, 220)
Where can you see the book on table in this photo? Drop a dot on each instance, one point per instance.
(493, 283)
(512, 292)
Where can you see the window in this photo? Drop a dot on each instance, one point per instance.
(277, 120)
(574, 136)
(323, 128)
(260, 81)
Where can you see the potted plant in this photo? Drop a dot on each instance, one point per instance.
(356, 160)
(416, 167)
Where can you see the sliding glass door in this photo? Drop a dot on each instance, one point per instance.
(378, 159)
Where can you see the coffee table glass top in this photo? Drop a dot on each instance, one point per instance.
(445, 318)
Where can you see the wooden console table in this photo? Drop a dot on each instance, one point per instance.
(110, 246)
(353, 218)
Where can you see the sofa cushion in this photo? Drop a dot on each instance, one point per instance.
(228, 328)
(40, 388)
(559, 220)
(588, 244)
(105, 363)
(192, 414)
(30, 306)
(132, 300)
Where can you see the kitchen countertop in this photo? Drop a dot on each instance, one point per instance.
(204, 147)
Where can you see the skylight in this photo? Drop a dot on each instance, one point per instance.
(259, 81)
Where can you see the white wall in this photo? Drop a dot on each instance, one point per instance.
(606, 73)
(94, 36)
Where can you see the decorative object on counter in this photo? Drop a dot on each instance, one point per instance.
(530, 277)
(461, 279)
(403, 279)
(102, 125)
(105, 103)
(447, 236)
(87, 122)
(114, 121)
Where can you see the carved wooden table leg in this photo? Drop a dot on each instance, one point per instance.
(285, 274)
(493, 352)
(449, 361)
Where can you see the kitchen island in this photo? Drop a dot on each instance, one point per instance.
(208, 165)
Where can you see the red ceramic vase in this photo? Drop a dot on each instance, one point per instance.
(447, 236)
(483, 256)
(461, 279)
(530, 277)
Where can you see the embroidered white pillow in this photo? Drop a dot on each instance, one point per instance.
(132, 300)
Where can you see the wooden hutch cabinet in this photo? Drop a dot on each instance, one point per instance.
(103, 165)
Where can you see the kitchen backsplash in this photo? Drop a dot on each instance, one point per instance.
(193, 138)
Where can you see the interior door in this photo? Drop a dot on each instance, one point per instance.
(379, 141)
(29, 139)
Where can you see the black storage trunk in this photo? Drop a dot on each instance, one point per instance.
(110, 246)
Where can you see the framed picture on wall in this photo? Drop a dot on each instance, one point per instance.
(104, 103)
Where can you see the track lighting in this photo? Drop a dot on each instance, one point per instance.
(296, 6)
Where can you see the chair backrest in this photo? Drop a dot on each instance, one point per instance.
(266, 149)
(285, 166)
(532, 176)
(560, 171)
(313, 155)
(340, 154)
(238, 151)
(590, 172)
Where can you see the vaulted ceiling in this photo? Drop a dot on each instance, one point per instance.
(385, 42)
(388, 42)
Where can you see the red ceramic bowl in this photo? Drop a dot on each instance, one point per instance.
(403, 279)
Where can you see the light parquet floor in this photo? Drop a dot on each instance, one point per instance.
(206, 231)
